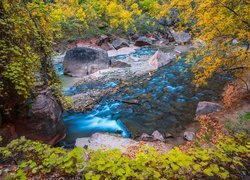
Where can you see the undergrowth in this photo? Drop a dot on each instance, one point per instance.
(229, 158)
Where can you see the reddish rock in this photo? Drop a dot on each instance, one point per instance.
(44, 122)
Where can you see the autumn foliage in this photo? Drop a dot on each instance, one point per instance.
(222, 28)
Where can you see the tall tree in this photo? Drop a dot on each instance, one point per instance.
(223, 26)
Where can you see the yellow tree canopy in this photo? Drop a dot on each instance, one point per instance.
(223, 26)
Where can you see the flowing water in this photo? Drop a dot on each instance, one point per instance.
(165, 101)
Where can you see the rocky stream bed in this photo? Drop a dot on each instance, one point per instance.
(137, 96)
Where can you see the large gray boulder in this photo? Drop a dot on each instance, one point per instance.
(82, 61)
(205, 107)
(44, 122)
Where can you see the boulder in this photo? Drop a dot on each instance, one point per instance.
(163, 21)
(120, 43)
(189, 136)
(102, 39)
(103, 42)
(44, 122)
(83, 61)
(161, 42)
(205, 107)
(160, 59)
(143, 41)
(134, 37)
(168, 135)
(106, 141)
(146, 137)
(181, 37)
(107, 46)
(158, 136)
(168, 35)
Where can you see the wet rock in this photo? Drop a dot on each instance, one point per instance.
(119, 64)
(85, 60)
(131, 101)
(59, 58)
(45, 120)
(205, 107)
(143, 41)
(181, 37)
(120, 43)
(158, 136)
(189, 136)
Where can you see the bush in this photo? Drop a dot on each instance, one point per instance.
(228, 159)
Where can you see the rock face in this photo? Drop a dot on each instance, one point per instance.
(205, 107)
(181, 37)
(120, 43)
(143, 41)
(45, 120)
(82, 61)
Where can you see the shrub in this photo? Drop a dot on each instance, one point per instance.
(228, 159)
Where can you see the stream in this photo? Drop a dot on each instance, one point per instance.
(166, 101)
